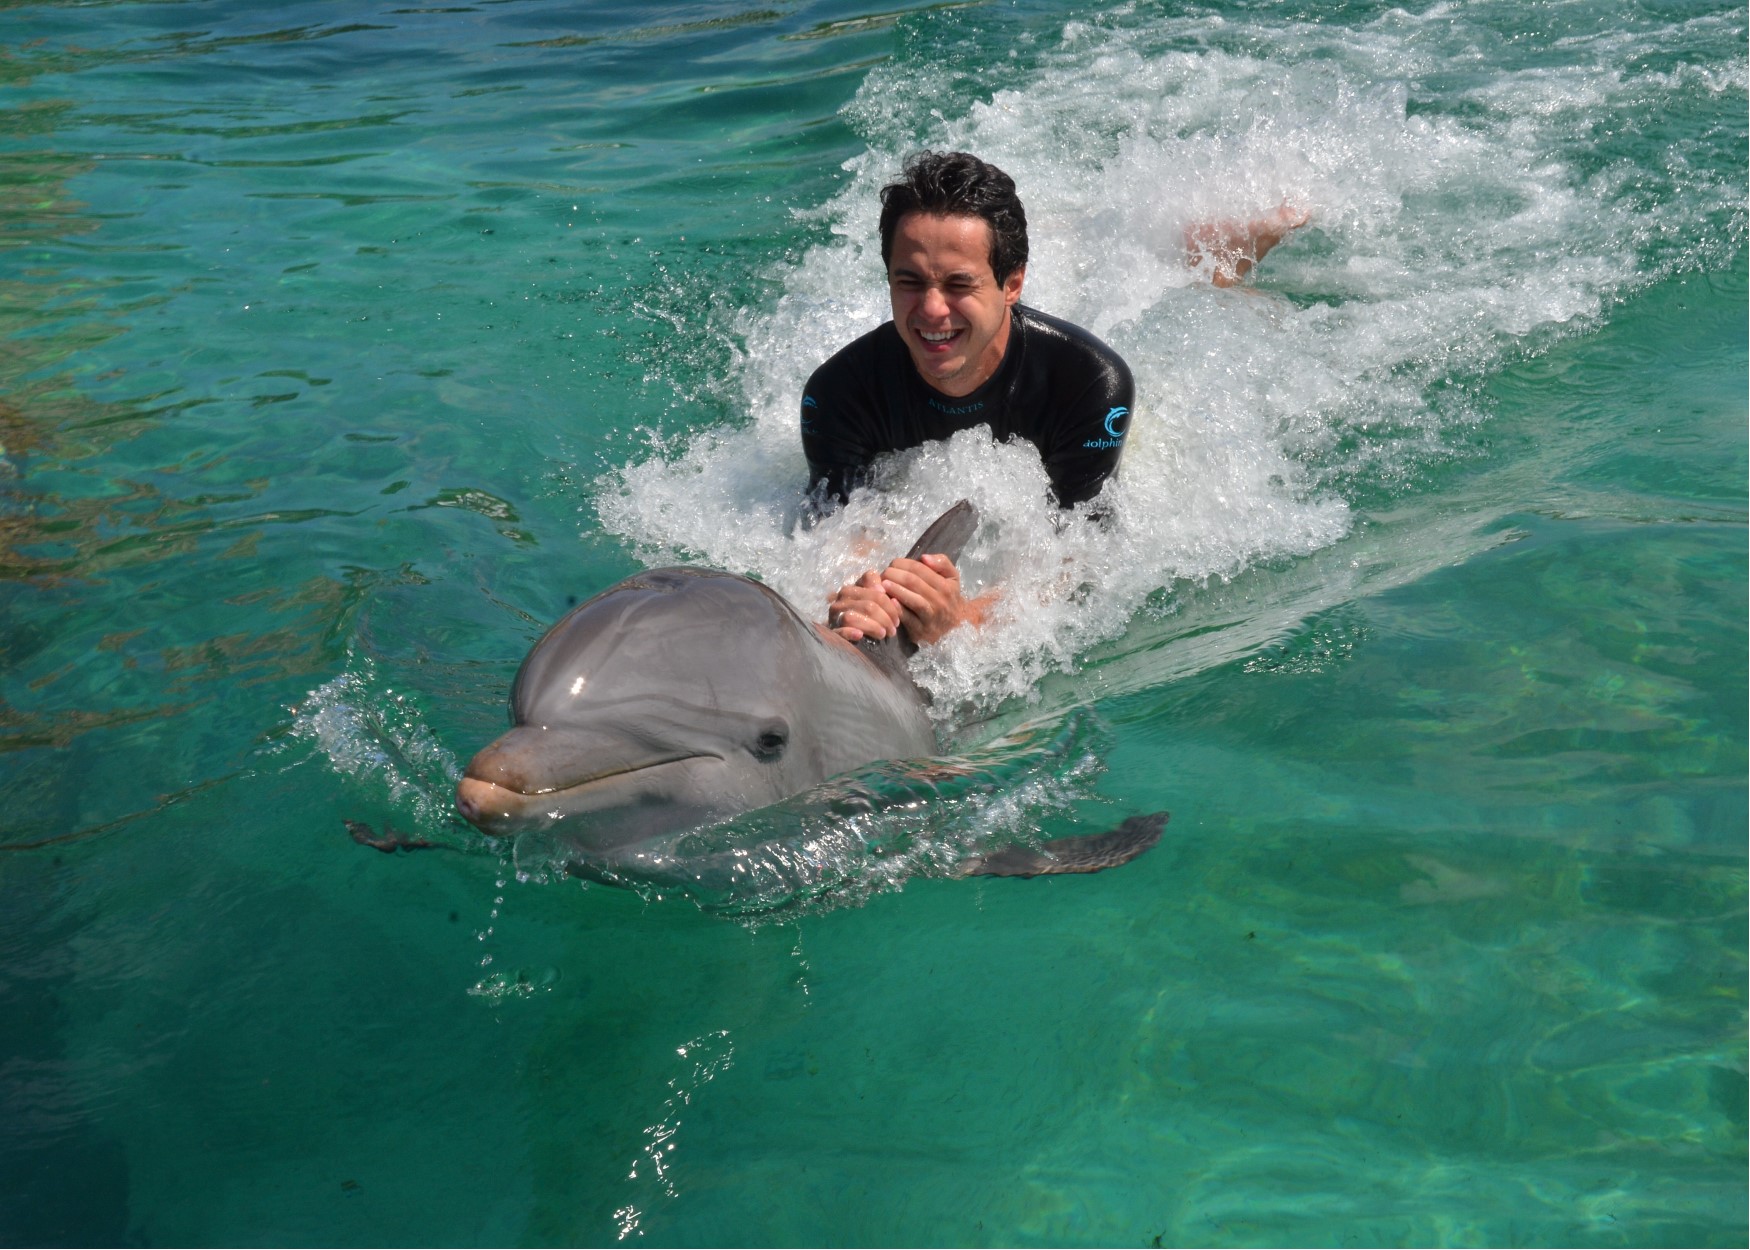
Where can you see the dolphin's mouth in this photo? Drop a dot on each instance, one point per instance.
(617, 770)
(507, 806)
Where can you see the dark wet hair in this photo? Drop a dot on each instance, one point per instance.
(958, 184)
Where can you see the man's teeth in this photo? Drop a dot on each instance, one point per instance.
(943, 337)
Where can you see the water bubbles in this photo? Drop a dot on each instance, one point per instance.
(523, 983)
(711, 1054)
(803, 968)
(627, 1218)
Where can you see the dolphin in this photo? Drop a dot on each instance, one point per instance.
(681, 697)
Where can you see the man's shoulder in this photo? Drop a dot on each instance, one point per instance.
(863, 355)
(1054, 334)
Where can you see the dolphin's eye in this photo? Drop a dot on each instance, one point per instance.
(774, 737)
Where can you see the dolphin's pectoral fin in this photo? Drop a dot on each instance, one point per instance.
(391, 841)
(1085, 854)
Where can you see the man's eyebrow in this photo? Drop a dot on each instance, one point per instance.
(957, 275)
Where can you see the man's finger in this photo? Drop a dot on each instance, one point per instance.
(918, 577)
(884, 609)
(867, 623)
(912, 600)
(871, 598)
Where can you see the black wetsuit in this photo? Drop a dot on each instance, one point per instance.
(1058, 387)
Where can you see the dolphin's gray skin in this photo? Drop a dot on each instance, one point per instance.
(683, 696)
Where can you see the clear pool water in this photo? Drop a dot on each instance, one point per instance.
(345, 345)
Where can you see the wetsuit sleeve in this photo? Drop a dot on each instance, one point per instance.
(1090, 440)
(835, 431)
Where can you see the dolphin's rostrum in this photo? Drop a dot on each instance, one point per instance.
(683, 696)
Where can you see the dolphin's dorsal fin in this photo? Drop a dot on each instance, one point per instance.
(947, 535)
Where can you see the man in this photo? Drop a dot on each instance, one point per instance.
(963, 351)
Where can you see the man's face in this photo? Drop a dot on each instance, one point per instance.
(948, 307)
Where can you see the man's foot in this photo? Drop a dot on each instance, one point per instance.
(1232, 249)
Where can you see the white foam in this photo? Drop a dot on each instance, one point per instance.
(1446, 242)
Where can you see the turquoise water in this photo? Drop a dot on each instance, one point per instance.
(346, 345)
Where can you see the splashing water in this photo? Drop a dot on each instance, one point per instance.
(1444, 245)
(379, 738)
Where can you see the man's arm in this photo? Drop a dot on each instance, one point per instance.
(840, 420)
(1087, 420)
(834, 464)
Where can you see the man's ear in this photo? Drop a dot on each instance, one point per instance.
(1012, 284)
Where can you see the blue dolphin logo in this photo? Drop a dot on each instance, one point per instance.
(1112, 418)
